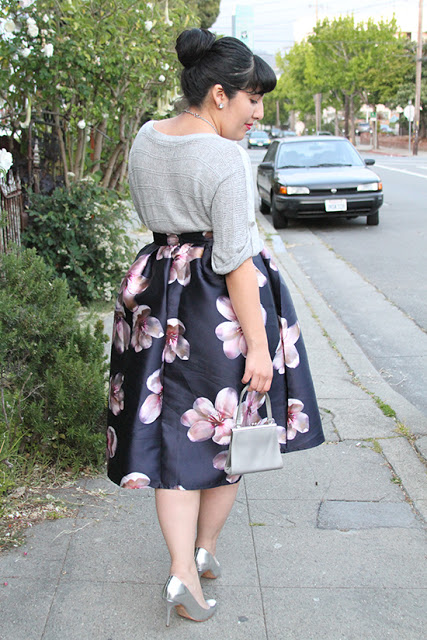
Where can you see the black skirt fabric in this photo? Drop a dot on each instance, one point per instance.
(178, 357)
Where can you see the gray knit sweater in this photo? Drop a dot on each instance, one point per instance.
(197, 182)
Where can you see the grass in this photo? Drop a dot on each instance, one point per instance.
(385, 408)
(32, 501)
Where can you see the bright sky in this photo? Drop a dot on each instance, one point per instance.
(278, 23)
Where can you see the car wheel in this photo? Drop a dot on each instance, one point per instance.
(279, 220)
(264, 207)
(373, 219)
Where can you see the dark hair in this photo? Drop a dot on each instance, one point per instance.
(226, 61)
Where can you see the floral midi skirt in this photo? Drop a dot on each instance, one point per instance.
(178, 357)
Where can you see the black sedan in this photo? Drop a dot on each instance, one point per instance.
(316, 176)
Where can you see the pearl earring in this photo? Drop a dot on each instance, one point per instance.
(220, 106)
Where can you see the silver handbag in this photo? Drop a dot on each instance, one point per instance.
(255, 447)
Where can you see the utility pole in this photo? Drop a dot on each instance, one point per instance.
(418, 78)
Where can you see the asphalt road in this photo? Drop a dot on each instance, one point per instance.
(374, 278)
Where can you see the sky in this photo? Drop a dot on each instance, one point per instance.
(279, 23)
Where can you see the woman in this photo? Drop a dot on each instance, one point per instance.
(201, 312)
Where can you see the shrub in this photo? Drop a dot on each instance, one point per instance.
(81, 233)
(52, 371)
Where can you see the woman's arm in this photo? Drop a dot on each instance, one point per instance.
(243, 289)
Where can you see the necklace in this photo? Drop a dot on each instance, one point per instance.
(196, 115)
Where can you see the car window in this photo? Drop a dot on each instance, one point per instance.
(259, 134)
(271, 153)
(318, 153)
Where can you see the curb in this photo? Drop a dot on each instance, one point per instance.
(407, 461)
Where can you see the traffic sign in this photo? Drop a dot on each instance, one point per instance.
(409, 112)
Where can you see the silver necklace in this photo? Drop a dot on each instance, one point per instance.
(196, 115)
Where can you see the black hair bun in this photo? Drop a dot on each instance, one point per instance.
(192, 45)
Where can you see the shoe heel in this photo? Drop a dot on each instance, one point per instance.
(169, 607)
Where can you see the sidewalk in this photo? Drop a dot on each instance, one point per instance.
(329, 548)
(390, 151)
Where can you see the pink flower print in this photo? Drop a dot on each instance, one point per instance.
(152, 405)
(286, 352)
(134, 282)
(208, 421)
(297, 421)
(175, 345)
(111, 442)
(135, 480)
(180, 269)
(231, 332)
(219, 463)
(267, 255)
(262, 280)
(121, 329)
(116, 400)
(250, 406)
(182, 256)
(145, 328)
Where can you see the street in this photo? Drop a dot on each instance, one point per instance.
(374, 278)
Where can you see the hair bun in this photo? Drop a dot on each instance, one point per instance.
(192, 45)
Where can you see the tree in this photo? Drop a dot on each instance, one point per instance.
(90, 73)
(363, 61)
(295, 86)
(406, 90)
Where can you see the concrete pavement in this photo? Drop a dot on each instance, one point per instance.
(331, 547)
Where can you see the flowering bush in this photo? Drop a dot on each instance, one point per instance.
(81, 233)
(52, 371)
(6, 161)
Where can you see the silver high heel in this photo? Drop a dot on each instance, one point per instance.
(176, 594)
(207, 565)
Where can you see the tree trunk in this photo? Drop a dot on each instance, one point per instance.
(346, 115)
(99, 142)
(111, 164)
(62, 150)
(79, 153)
(351, 114)
(124, 167)
(337, 127)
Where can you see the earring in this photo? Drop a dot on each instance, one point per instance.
(220, 106)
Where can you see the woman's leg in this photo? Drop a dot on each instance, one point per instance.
(215, 505)
(178, 512)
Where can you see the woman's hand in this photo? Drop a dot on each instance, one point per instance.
(258, 369)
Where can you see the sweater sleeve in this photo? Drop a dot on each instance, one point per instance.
(235, 234)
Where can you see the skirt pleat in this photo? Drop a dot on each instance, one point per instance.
(177, 360)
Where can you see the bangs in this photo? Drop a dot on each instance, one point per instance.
(262, 79)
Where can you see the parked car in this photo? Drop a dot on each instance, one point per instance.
(324, 133)
(317, 176)
(275, 132)
(385, 128)
(362, 127)
(258, 139)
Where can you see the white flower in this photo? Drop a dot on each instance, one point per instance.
(45, 18)
(25, 52)
(148, 25)
(81, 124)
(164, 66)
(9, 26)
(48, 50)
(24, 4)
(32, 28)
(150, 5)
(162, 78)
(6, 161)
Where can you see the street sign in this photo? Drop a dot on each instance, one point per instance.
(409, 112)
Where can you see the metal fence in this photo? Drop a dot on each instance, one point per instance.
(11, 213)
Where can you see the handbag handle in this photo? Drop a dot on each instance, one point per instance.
(239, 408)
